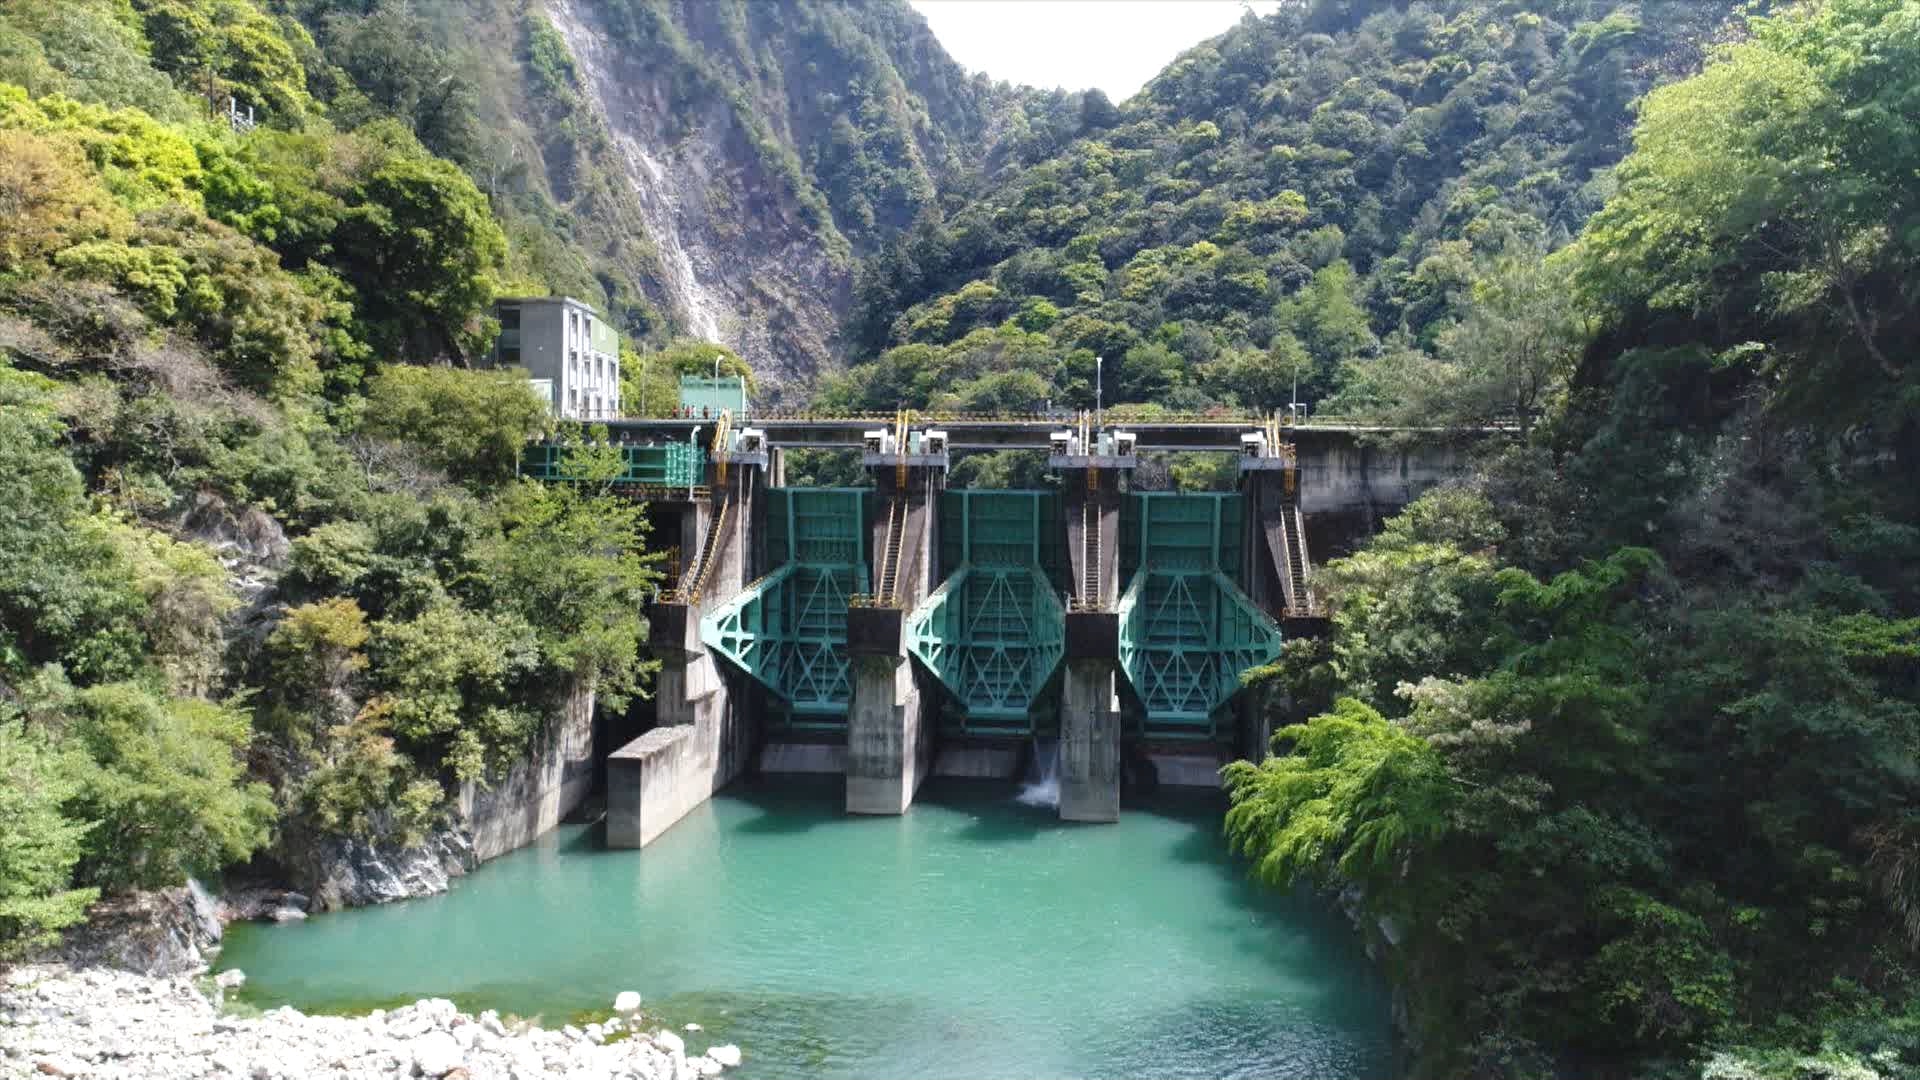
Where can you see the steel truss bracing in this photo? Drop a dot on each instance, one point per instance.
(994, 631)
(789, 629)
(1186, 630)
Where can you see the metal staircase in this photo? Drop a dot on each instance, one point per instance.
(1090, 554)
(1287, 538)
(887, 594)
(701, 571)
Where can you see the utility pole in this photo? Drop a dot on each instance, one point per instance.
(1099, 380)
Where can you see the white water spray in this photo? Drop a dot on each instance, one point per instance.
(1042, 787)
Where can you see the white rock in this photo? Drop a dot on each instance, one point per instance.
(491, 1021)
(436, 1054)
(693, 1027)
(230, 979)
(705, 1065)
(726, 1054)
(627, 1002)
(668, 1041)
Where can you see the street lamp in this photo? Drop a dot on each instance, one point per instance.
(693, 443)
(1099, 381)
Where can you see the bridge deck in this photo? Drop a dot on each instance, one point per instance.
(974, 432)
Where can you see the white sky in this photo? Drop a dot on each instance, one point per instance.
(1116, 45)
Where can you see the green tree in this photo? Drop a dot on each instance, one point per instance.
(472, 424)
(40, 845)
(166, 778)
(423, 247)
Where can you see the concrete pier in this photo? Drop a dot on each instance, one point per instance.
(1089, 742)
(705, 731)
(889, 742)
(1094, 485)
(890, 716)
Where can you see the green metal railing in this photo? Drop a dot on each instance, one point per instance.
(789, 629)
(1186, 630)
(673, 465)
(994, 631)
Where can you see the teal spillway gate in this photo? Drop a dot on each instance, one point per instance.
(1186, 630)
(789, 629)
(994, 631)
(675, 465)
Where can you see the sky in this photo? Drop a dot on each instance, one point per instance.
(1115, 45)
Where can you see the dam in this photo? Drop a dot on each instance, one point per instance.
(904, 630)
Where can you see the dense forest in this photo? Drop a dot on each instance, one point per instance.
(1612, 742)
(1618, 737)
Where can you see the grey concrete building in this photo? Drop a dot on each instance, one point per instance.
(568, 353)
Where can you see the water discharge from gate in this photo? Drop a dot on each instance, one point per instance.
(1042, 786)
(972, 937)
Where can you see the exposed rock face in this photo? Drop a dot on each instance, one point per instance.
(167, 932)
(249, 543)
(508, 812)
(742, 263)
(339, 872)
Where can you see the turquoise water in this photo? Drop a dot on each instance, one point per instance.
(972, 939)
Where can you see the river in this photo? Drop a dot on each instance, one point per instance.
(974, 937)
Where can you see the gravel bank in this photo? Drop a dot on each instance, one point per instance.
(97, 1022)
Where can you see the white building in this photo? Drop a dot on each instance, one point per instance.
(566, 351)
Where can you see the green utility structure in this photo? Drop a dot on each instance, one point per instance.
(675, 465)
(1186, 629)
(994, 631)
(708, 396)
(789, 629)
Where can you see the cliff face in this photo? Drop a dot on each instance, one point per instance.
(762, 148)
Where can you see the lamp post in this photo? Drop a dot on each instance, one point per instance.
(693, 443)
(1099, 381)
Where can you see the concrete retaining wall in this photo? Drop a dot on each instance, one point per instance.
(513, 809)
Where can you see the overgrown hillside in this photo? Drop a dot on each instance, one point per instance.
(259, 577)
(1304, 193)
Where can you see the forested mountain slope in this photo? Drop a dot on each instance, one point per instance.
(1308, 190)
(1619, 736)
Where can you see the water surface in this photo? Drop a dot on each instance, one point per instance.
(973, 938)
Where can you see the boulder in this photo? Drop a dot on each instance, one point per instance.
(230, 979)
(668, 1041)
(627, 1002)
(726, 1054)
(435, 1054)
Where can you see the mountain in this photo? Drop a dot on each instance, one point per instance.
(1305, 192)
(702, 168)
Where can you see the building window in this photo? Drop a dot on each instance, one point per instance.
(510, 355)
(510, 318)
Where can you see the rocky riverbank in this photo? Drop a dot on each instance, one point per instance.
(58, 1021)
